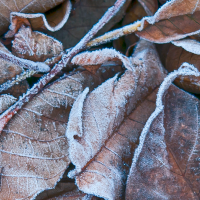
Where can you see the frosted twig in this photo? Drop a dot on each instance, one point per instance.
(17, 79)
(9, 113)
(27, 64)
(115, 34)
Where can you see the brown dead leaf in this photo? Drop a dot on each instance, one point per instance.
(175, 57)
(84, 15)
(35, 46)
(150, 6)
(174, 20)
(6, 101)
(8, 71)
(34, 149)
(99, 152)
(53, 20)
(25, 6)
(166, 162)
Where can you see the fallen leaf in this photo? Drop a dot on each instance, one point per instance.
(84, 15)
(165, 164)
(6, 101)
(8, 71)
(25, 6)
(35, 46)
(150, 6)
(34, 149)
(53, 20)
(97, 150)
(174, 58)
(174, 20)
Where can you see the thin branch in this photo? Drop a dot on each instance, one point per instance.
(27, 64)
(8, 114)
(115, 34)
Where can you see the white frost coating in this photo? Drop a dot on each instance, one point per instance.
(6, 101)
(100, 57)
(36, 15)
(189, 45)
(75, 117)
(184, 70)
(24, 63)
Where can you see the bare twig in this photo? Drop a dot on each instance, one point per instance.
(27, 64)
(115, 34)
(8, 114)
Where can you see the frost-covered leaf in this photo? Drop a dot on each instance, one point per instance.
(96, 148)
(166, 162)
(176, 19)
(192, 46)
(53, 20)
(6, 101)
(85, 14)
(174, 58)
(34, 149)
(25, 6)
(8, 71)
(36, 46)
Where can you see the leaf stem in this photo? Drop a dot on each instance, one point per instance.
(9, 113)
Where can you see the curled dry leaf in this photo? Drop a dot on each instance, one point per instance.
(8, 71)
(25, 6)
(174, 20)
(34, 149)
(36, 46)
(166, 162)
(175, 57)
(53, 20)
(97, 150)
(6, 101)
(85, 14)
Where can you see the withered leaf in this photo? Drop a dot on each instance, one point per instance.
(36, 46)
(166, 162)
(6, 101)
(53, 20)
(174, 20)
(25, 6)
(150, 6)
(8, 71)
(34, 149)
(85, 14)
(97, 150)
(174, 58)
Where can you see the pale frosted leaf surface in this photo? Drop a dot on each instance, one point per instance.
(83, 17)
(34, 149)
(101, 56)
(102, 112)
(34, 45)
(174, 58)
(166, 162)
(176, 19)
(189, 45)
(8, 71)
(25, 6)
(6, 101)
(53, 21)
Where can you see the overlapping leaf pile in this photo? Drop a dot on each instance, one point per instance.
(107, 122)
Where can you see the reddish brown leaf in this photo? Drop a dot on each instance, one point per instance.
(8, 71)
(175, 57)
(97, 150)
(166, 162)
(35, 46)
(34, 150)
(150, 6)
(25, 6)
(175, 20)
